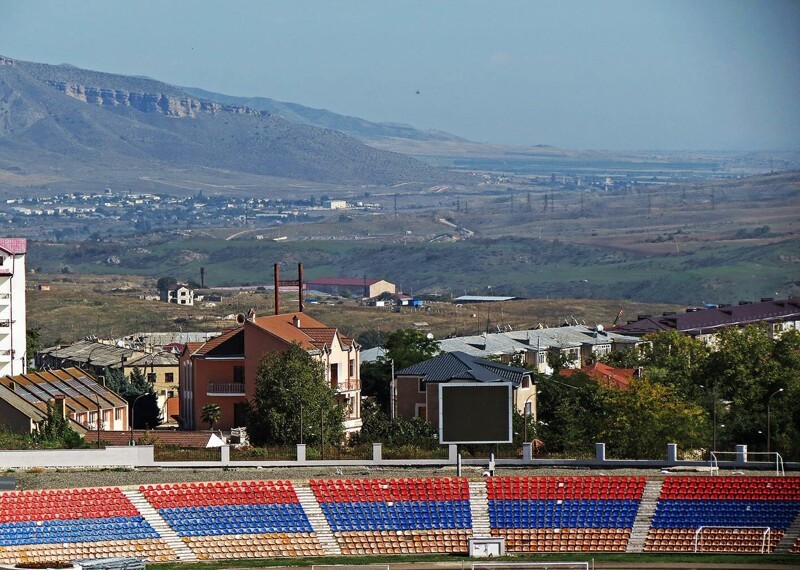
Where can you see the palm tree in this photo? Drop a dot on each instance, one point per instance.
(211, 414)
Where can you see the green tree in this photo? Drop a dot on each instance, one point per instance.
(292, 394)
(558, 360)
(370, 339)
(647, 416)
(747, 368)
(407, 347)
(571, 413)
(378, 427)
(404, 347)
(210, 414)
(54, 431)
(138, 392)
(676, 359)
(165, 283)
(33, 342)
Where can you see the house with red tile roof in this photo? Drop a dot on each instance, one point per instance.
(223, 370)
(605, 375)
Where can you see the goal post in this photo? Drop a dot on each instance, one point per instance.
(531, 565)
(765, 534)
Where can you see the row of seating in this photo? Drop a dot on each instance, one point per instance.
(402, 515)
(694, 514)
(720, 488)
(407, 542)
(712, 540)
(75, 530)
(264, 545)
(153, 550)
(564, 539)
(182, 495)
(64, 504)
(616, 488)
(552, 514)
(448, 489)
(237, 519)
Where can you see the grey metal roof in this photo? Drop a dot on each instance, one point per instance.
(154, 359)
(512, 342)
(92, 353)
(462, 366)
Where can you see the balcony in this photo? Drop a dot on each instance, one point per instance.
(346, 386)
(225, 389)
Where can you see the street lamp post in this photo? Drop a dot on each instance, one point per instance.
(133, 410)
(99, 418)
(526, 415)
(769, 402)
(713, 417)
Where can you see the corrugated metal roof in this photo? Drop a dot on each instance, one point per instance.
(463, 366)
(92, 353)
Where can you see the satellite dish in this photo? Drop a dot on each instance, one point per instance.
(598, 328)
(240, 318)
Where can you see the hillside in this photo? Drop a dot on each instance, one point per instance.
(70, 120)
(352, 126)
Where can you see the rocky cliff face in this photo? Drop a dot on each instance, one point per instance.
(169, 105)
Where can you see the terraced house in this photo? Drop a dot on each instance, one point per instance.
(223, 370)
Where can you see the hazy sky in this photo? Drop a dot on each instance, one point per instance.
(633, 74)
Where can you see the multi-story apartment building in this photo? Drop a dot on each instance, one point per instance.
(223, 370)
(12, 306)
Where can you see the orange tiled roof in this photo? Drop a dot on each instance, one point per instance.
(283, 326)
(160, 437)
(605, 374)
(215, 342)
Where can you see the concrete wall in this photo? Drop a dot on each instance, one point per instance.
(142, 456)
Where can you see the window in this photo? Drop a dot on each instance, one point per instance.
(238, 374)
(526, 382)
(151, 377)
(117, 414)
(541, 357)
(421, 387)
(169, 377)
(421, 411)
(352, 370)
(601, 349)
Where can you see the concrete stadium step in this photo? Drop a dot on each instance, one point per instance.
(318, 521)
(479, 507)
(644, 516)
(152, 516)
(789, 537)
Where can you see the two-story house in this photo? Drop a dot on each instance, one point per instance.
(223, 370)
(178, 294)
(415, 389)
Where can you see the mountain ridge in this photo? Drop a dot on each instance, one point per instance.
(96, 119)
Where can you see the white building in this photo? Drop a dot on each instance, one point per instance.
(12, 306)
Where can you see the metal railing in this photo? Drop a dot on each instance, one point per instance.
(225, 388)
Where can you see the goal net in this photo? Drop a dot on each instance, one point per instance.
(732, 539)
(530, 565)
